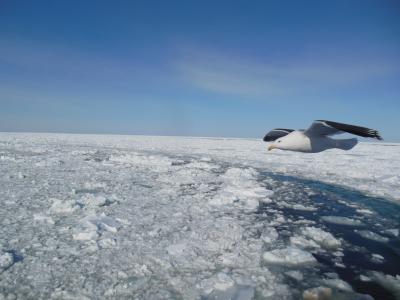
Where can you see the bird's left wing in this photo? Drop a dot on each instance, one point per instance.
(323, 127)
(276, 134)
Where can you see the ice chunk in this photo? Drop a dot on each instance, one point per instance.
(389, 282)
(304, 208)
(297, 206)
(133, 158)
(63, 207)
(372, 236)
(104, 222)
(176, 249)
(324, 239)
(301, 242)
(392, 232)
(85, 235)
(241, 188)
(318, 293)
(265, 200)
(297, 275)
(289, 256)
(342, 221)
(6, 260)
(364, 278)
(236, 292)
(107, 243)
(65, 295)
(377, 258)
(220, 281)
(93, 225)
(269, 235)
(326, 293)
(364, 211)
(338, 284)
(43, 218)
(91, 200)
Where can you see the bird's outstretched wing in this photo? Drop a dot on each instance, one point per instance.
(323, 127)
(276, 134)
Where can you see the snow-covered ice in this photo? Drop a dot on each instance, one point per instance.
(367, 234)
(342, 221)
(390, 282)
(121, 217)
(290, 256)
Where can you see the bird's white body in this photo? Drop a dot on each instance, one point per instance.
(299, 141)
(316, 137)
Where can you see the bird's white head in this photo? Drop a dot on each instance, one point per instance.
(294, 141)
(278, 144)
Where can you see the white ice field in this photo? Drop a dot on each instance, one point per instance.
(138, 217)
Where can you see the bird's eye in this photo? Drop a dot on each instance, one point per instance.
(279, 141)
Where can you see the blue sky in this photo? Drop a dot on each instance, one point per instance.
(198, 68)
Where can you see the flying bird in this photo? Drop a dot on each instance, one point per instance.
(316, 137)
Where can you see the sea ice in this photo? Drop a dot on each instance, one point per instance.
(301, 242)
(92, 201)
(342, 221)
(338, 284)
(367, 234)
(185, 220)
(393, 232)
(318, 293)
(63, 206)
(6, 260)
(241, 188)
(43, 218)
(289, 256)
(389, 282)
(269, 235)
(364, 278)
(297, 275)
(297, 206)
(377, 258)
(85, 235)
(220, 281)
(176, 249)
(321, 237)
(364, 211)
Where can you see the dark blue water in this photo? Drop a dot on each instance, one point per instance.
(332, 200)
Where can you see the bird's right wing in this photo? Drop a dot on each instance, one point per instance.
(323, 127)
(276, 134)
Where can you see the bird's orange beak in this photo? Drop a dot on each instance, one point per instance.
(271, 147)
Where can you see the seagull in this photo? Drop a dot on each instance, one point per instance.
(316, 138)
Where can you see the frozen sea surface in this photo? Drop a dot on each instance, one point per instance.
(125, 217)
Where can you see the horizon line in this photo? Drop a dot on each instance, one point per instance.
(366, 141)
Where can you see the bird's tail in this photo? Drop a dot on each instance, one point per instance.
(346, 144)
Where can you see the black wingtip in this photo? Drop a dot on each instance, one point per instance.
(354, 129)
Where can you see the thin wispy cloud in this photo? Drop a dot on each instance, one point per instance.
(235, 76)
(57, 61)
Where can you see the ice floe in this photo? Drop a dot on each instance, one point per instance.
(389, 282)
(290, 256)
(393, 232)
(367, 234)
(342, 221)
(377, 258)
(241, 188)
(63, 206)
(321, 237)
(6, 260)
